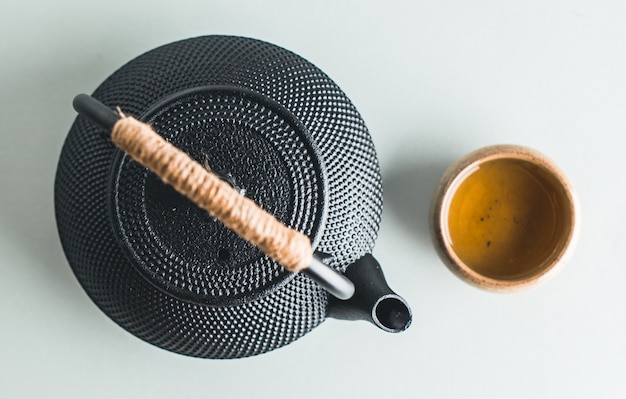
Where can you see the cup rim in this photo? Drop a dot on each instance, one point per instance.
(456, 173)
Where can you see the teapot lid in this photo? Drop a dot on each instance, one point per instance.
(251, 142)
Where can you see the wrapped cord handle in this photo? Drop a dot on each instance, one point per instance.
(290, 248)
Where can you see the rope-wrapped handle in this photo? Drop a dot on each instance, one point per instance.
(291, 248)
(288, 247)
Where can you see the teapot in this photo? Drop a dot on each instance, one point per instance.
(280, 132)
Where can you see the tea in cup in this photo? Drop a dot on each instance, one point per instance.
(504, 218)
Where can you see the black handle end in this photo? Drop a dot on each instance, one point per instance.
(97, 112)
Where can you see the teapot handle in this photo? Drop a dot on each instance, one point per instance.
(289, 247)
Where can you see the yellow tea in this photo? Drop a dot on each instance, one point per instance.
(505, 219)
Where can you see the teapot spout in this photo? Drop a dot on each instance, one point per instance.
(373, 300)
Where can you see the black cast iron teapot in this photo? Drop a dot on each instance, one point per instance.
(280, 132)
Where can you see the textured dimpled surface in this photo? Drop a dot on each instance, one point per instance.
(270, 310)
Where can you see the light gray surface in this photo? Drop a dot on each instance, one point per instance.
(433, 81)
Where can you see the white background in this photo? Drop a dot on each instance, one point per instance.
(433, 80)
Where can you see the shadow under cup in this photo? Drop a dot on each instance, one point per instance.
(504, 218)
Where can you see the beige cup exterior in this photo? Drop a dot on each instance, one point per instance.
(444, 193)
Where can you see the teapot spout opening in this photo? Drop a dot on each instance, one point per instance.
(373, 300)
(391, 313)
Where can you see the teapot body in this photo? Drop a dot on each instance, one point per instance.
(272, 125)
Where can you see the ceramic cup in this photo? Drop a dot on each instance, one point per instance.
(504, 218)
